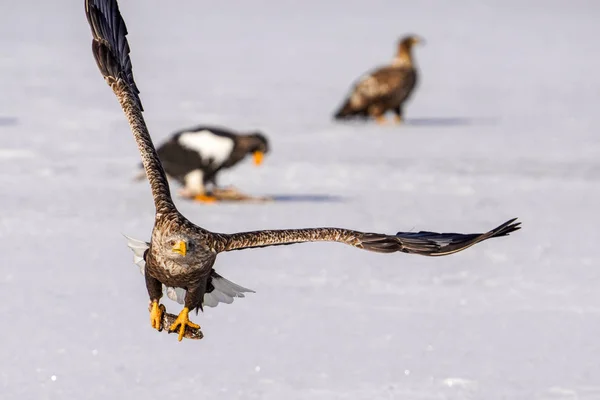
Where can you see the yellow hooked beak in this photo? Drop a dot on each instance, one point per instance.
(180, 248)
(258, 157)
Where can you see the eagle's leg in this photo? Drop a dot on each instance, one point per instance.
(194, 187)
(398, 115)
(182, 321)
(193, 299)
(208, 196)
(204, 196)
(380, 119)
(156, 309)
(156, 315)
(378, 112)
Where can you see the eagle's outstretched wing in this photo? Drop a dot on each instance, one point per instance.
(423, 243)
(111, 51)
(110, 46)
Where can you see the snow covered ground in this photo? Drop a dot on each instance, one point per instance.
(504, 124)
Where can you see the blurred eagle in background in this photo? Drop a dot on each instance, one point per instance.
(385, 89)
(194, 157)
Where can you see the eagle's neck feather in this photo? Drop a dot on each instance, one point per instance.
(403, 58)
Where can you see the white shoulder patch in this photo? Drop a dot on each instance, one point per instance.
(224, 290)
(208, 145)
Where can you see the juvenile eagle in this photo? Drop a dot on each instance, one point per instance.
(181, 254)
(194, 156)
(386, 88)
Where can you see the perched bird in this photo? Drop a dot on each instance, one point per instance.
(181, 254)
(194, 157)
(385, 89)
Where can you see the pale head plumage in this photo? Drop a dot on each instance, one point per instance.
(408, 41)
(403, 55)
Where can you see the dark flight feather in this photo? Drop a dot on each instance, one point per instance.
(110, 46)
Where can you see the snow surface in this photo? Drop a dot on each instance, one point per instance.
(504, 123)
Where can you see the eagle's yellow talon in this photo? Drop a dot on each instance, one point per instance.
(203, 198)
(381, 120)
(156, 315)
(182, 321)
(398, 119)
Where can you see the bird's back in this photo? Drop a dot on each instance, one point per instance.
(388, 86)
(386, 83)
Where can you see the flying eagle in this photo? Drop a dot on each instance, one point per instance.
(386, 88)
(181, 254)
(195, 156)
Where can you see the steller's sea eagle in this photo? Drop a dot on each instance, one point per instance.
(194, 157)
(385, 89)
(181, 254)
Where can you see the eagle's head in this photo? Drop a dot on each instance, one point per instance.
(404, 53)
(258, 146)
(179, 247)
(408, 41)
